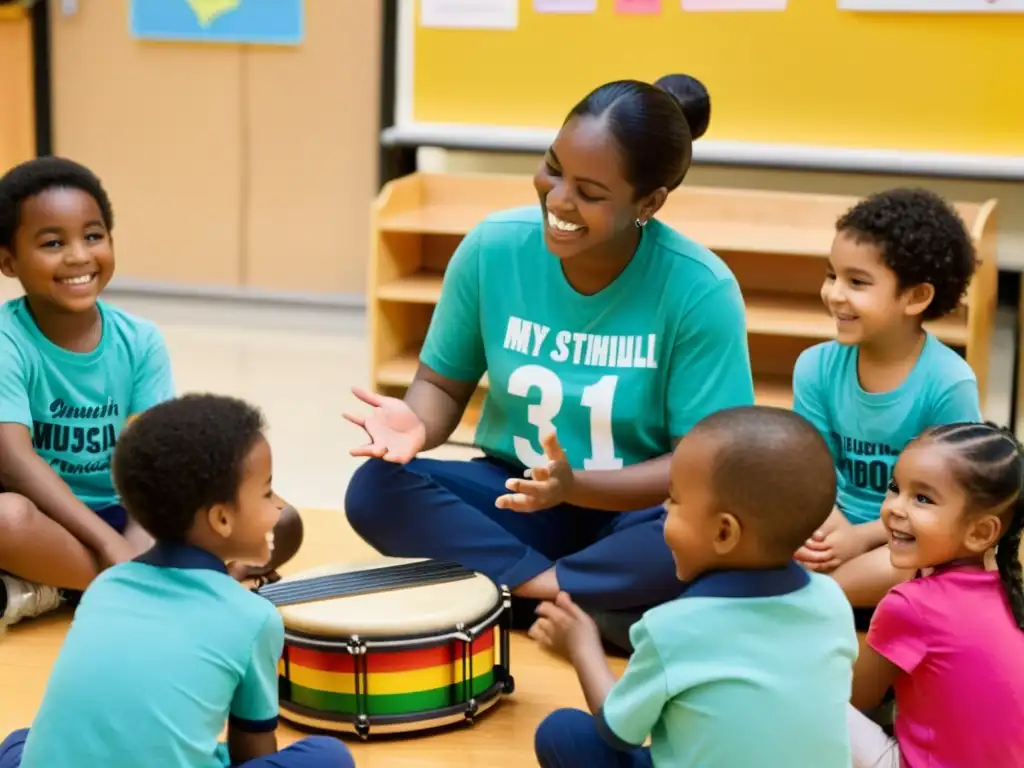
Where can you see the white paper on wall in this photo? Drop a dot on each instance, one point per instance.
(934, 6)
(470, 14)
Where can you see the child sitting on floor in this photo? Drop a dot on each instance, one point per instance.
(899, 258)
(951, 641)
(753, 664)
(167, 649)
(73, 371)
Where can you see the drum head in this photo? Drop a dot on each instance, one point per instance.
(395, 613)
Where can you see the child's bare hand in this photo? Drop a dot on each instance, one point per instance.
(116, 550)
(244, 572)
(565, 629)
(819, 552)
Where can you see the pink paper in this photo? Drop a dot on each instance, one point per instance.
(638, 6)
(734, 5)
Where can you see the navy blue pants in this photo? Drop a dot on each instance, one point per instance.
(311, 752)
(568, 738)
(445, 510)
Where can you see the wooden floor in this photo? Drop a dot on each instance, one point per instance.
(502, 737)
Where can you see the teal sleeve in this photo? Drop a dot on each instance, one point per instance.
(958, 403)
(710, 362)
(809, 398)
(254, 708)
(634, 704)
(454, 346)
(152, 380)
(15, 407)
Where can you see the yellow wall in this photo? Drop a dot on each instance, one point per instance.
(815, 75)
(239, 168)
(1009, 194)
(17, 108)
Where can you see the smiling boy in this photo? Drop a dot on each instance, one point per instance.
(73, 370)
(900, 258)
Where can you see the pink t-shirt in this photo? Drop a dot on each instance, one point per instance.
(961, 702)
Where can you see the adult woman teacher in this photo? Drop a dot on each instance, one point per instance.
(592, 320)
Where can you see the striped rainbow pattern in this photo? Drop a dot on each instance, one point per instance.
(398, 682)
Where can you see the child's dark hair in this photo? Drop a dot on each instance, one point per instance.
(922, 239)
(991, 471)
(655, 126)
(774, 470)
(182, 456)
(36, 176)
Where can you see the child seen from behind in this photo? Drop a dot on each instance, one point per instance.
(950, 641)
(752, 665)
(167, 649)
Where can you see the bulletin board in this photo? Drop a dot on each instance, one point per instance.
(812, 85)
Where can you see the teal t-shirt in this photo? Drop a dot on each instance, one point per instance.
(75, 405)
(162, 653)
(866, 431)
(747, 668)
(618, 374)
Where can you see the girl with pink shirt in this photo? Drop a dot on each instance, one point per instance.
(951, 640)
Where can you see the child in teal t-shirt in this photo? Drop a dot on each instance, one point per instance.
(73, 371)
(753, 664)
(900, 258)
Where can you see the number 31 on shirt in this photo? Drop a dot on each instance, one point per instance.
(597, 397)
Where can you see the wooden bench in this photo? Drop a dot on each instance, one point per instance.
(775, 243)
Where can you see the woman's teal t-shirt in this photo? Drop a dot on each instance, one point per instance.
(619, 374)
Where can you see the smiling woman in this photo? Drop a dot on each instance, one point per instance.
(560, 304)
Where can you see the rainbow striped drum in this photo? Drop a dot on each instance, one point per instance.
(395, 646)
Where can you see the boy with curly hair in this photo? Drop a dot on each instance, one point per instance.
(900, 258)
(168, 649)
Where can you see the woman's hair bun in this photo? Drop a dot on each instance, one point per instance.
(694, 99)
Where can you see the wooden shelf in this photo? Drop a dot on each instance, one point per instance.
(418, 288)
(775, 314)
(773, 241)
(716, 235)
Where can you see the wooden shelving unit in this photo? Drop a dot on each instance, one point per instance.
(775, 243)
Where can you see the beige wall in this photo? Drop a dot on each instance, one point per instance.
(1010, 194)
(235, 168)
(17, 108)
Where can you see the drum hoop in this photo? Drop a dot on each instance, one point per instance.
(492, 692)
(345, 642)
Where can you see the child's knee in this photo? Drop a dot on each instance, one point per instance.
(557, 730)
(329, 752)
(16, 514)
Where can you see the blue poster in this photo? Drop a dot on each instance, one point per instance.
(273, 22)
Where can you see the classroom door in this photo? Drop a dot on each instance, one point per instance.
(17, 126)
(159, 125)
(241, 168)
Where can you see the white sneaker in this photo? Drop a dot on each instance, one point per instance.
(26, 600)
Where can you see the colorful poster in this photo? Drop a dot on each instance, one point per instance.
(734, 5)
(565, 6)
(277, 22)
(638, 6)
(469, 14)
(934, 6)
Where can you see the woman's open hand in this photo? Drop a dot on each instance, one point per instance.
(396, 433)
(545, 487)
